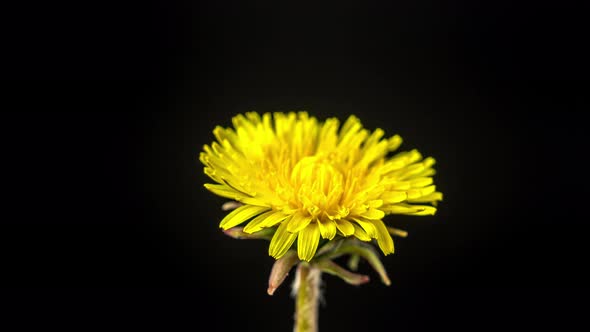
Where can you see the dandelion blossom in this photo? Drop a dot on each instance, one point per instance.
(312, 181)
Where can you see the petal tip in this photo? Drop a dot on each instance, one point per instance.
(364, 279)
(271, 290)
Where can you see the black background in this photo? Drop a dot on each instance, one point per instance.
(107, 223)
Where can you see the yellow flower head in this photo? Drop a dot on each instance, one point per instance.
(309, 179)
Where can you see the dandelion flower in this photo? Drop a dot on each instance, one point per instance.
(312, 182)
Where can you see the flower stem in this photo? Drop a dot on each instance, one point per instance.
(307, 287)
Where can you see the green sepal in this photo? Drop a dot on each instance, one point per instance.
(329, 267)
(280, 270)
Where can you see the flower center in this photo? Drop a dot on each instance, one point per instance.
(319, 187)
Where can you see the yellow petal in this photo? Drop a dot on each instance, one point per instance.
(419, 192)
(367, 226)
(373, 214)
(227, 192)
(427, 190)
(428, 162)
(428, 172)
(210, 172)
(327, 229)
(345, 227)
(400, 185)
(376, 203)
(360, 233)
(414, 193)
(391, 197)
(298, 222)
(394, 142)
(267, 219)
(281, 241)
(433, 197)
(412, 170)
(400, 209)
(374, 138)
(383, 238)
(415, 210)
(392, 165)
(307, 241)
(328, 135)
(420, 182)
(240, 215)
(414, 156)
(223, 191)
(274, 219)
(351, 124)
(424, 210)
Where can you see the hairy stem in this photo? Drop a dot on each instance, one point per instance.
(307, 289)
